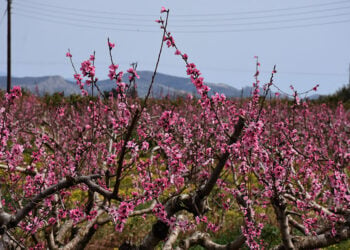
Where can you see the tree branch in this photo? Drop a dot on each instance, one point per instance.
(279, 205)
(319, 241)
(63, 184)
(84, 235)
(297, 225)
(205, 191)
(194, 203)
(203, 240)
(173, 235)
(20, 169)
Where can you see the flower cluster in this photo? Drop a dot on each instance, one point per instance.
(112, 71)
(87, 68)
(133, 74)
(14, 93)
(121, 214)
(76, 215)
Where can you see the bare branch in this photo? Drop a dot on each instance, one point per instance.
(98, 189)
(319, 241)
(205, 191)
(279, 205)
(20, 169)
(313, 205)
(63, 184)
(144, 211)
(63, 230)
(80, 238)
(297, 225)
(203, 240)
(50, 239)
(173, 235)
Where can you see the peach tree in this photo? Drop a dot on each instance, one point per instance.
(68, 170)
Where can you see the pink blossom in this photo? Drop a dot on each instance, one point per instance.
(145, 145)
(16, 91)
(111, 45)
(52, 221)
(177, 52)
(133, 74)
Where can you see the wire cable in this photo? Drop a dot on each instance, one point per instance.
(22, 11)
(88, 13)
(264, 29)
(31, 9)
(184, 31)
(191, 15)
(85, 19)
(84, 25)
(133, 18)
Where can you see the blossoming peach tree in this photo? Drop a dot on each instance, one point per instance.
(184, 169)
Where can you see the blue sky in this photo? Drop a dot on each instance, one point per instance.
(308, 40)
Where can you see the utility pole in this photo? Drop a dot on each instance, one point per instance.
(9, 45)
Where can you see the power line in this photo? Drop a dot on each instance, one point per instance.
(54, 15)
(270, 10)
(266, 29)
(77, 12)
(133, 18)
(192, 15)
(266, 22)
(183, 31)
(83, 25)
(275, 15)
(86, 10)
(197, 25)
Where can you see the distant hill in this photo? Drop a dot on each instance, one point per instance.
(164, 85)
(41, 85)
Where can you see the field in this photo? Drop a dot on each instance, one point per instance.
(112, 170)
(251, 172)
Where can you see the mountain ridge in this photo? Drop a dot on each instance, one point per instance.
(164, 85)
